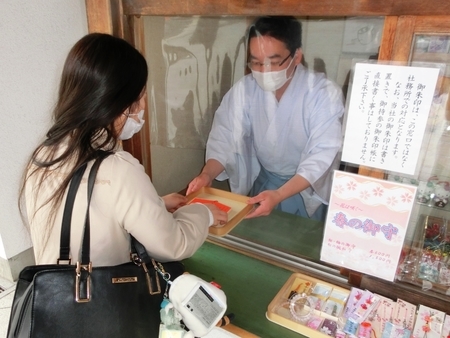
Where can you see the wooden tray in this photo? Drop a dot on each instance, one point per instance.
(285, 319)
(238, 204)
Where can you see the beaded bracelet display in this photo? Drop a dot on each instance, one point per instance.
(300, 307)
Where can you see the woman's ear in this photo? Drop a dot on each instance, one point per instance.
(298, 56)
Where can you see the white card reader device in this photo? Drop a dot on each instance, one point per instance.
(200, 304)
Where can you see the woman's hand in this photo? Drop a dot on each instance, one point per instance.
(220, 216)
(174, 201)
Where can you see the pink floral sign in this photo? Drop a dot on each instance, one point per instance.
(366, 224)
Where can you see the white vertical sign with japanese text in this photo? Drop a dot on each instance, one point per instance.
(387, 115)
(366, 224)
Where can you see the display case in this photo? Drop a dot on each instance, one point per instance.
(426, 263)
(423, 267)
(426, 260)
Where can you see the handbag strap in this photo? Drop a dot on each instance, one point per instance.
(136, 246)
(64, 250)
(64, 246)
(139, 249)
(86, 244)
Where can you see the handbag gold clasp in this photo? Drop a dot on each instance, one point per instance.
(79, 280)
(149, 281)
(139, 262)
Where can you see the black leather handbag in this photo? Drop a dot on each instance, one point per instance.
(64, 300)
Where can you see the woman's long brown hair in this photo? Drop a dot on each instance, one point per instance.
(102, 77)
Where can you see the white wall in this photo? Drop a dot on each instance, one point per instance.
(35, 37)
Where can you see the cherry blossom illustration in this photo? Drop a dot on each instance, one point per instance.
(406, 198)
(339, 189)
(392, 201)
(351, 185)
(378, 191)
(364, 195)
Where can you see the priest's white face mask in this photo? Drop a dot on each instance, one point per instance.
(132, 126)
(271, 62)
(272, 81)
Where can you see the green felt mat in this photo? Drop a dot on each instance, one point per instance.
(285, 232)
(250, 285)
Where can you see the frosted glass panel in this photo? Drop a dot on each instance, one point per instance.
(193, 61)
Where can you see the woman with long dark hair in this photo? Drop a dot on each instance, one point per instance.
(101, 101)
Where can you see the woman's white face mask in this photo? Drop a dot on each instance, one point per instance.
(132, 126)
(272, 81)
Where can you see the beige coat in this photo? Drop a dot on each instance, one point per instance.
(124, 202)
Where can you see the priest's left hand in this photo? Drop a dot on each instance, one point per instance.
(264, 203)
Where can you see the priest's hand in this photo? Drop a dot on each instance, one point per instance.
(264, 203)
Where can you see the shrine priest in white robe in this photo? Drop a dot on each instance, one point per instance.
(277, 133)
